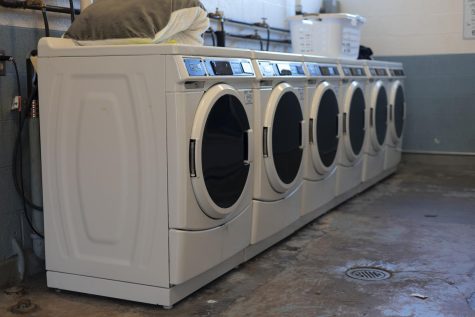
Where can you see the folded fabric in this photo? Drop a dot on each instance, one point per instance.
(112, 22)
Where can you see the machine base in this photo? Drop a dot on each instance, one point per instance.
(138, 292)
(393, 157)
(348, 178)
(269, 217)
(255, 249)
(168, 296)
(318, 193)
(373, 165)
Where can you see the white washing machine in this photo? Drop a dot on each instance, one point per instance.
(147, 167)
(353, 126)
(322, 113)
(377, 118)
(397, 115)
(279, 129)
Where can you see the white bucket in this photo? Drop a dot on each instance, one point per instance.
(332, 35)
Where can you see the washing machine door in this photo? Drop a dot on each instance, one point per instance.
(397, 112)
(283, 138)
(354, 121)
(323, 128)
(220, 151)
(378, 116)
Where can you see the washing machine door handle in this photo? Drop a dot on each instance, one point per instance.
(248, 139)
(371, 117)
(302, 134)
(345, 118)
(265, 142)
(192, 158)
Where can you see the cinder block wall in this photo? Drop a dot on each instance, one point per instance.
(427, 36)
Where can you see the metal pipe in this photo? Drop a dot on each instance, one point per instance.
(253, 38)
(35, 177)
(25, 5)
(20, 259)
(249, 25)
(252, 25)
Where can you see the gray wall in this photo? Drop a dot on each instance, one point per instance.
(18, 42)
(440, 93)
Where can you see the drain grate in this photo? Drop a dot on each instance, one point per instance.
(368, 274)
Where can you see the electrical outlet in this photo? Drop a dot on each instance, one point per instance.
(3, 67)
(16, 103)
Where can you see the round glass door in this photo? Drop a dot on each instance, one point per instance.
(225, 150)
(381, 115)
(326, 128)
(357, 121)
(399, 114)
(287, 147)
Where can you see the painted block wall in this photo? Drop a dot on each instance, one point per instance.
(408, 27)
(427, 36)
(20, 30)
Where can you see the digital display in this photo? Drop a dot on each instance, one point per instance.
(222, 68)
(397, 72)
(357, 72)
(329, 71)
(381, 72)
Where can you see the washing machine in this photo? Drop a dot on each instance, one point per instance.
(322, 113)
(147, 155)
(353, 126)
(377, 118)
(279, 129)
(397, 115)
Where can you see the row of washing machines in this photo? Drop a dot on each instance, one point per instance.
(166, 166)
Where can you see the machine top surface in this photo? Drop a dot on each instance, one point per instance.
(57, 47)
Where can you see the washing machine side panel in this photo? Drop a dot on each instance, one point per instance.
(104, 168)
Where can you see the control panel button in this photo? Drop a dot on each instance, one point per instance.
(284, 69)
(247, 68)
(267, 69)
(195, 67)
(314, 70)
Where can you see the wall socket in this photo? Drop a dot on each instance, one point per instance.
(3, 67)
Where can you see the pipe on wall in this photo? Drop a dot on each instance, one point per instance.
(36, 184)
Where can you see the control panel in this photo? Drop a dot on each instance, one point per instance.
(397, 72)
(199, 67)
(277, 69)
(317, 70)
(381, 72)
(353, 71)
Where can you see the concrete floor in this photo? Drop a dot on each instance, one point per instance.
(419, 224)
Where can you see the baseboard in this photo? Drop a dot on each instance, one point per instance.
(438, 153)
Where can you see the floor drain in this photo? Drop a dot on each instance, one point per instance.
(368, 274)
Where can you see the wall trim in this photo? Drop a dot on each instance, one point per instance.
(439, 153)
